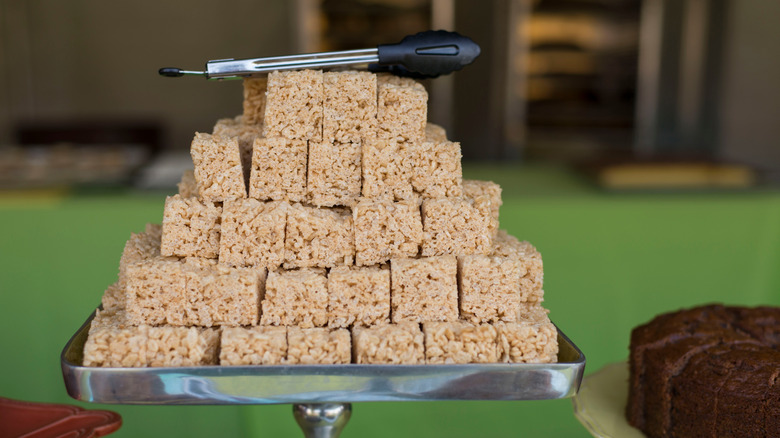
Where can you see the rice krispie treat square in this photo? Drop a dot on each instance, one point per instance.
(187, 186)
(261, 345)
(114, 342)
(218, 170)
(531, 266)
(244, 133)
(358, 296)
(221, 295)
(114, 297)
(254, 100)
(349, 107)
(489, 288)
(190, 228)
(387, 169)
(437, 169)
(401, 343)
(298, 297)
(385, 229)
(532, 339)
(424, 289)
(155, 291)
(278, 170)
(333, 173)
(140, 246)
(293, 106)
(460, 342)
(318, 345)
(486, 197)
(252, 233)
(435, 133)
(402, 111)
(454, 226)
(318, 237)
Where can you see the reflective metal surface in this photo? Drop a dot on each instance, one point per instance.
(320, 383)
(322, 420)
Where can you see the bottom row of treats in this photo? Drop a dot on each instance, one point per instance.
(113, 342)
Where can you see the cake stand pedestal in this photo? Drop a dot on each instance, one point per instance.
(321, 394)
(600, 404)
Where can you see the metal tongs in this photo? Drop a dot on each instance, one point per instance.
(423, 55)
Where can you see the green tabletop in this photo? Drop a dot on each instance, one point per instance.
(612, 261)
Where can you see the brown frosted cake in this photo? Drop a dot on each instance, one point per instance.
(707, 371)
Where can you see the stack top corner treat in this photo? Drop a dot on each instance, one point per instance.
(328, 223)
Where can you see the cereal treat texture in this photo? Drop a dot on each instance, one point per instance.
(221, 295)
(437, 169)
(385, 229)
(531, 266)
(532, 339)
(278, 169)
(114, 342)
(333, 177)
(294, 105)
(187, 186)
(244, 133)
(298, 297)
(114, 297)
(218, 170)
(254, 100)
(155, 290)
(387, 169)
(454, 226)
(460, 342)
(349, 106)
(190, 228)
(424, 289)
(261, 345)
(252, 233)
(318, 237)
(402, 111)
(486, 197)
(388, 344)
(435, 133)
(140, 246)
(358, 296)
(318, 345)
(489, 288)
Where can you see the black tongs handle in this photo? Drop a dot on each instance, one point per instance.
(431, 53)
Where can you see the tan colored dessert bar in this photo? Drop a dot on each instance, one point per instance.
(218, 170)
(140, 246)
(294, 105)
(454, 226)
(402, 111)
(349, 107)
(486, 197)
(385, 229)
(435, 133)
(155, 291)
(254, 100)
(252, 233)
(387, 169)
(358, 296)
(190, 228)
(318, 237)
(318, 345)
(278, 170)
(187, 186)
(244, 133)
(533, 339)
(114, 342)
(298, 297)
(460, 342)
(114, 297)
(531, 266)
(333, 177)
(261, 345)
(424, 289)
(489, 288)
(221, 295)
(388, 344)
(437, 170)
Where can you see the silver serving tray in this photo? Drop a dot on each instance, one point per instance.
(271, 384)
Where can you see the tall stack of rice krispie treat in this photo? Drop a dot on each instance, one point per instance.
(329, 223)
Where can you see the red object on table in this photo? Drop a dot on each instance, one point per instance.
(44, 420)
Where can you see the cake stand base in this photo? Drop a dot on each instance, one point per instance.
(322, 420)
